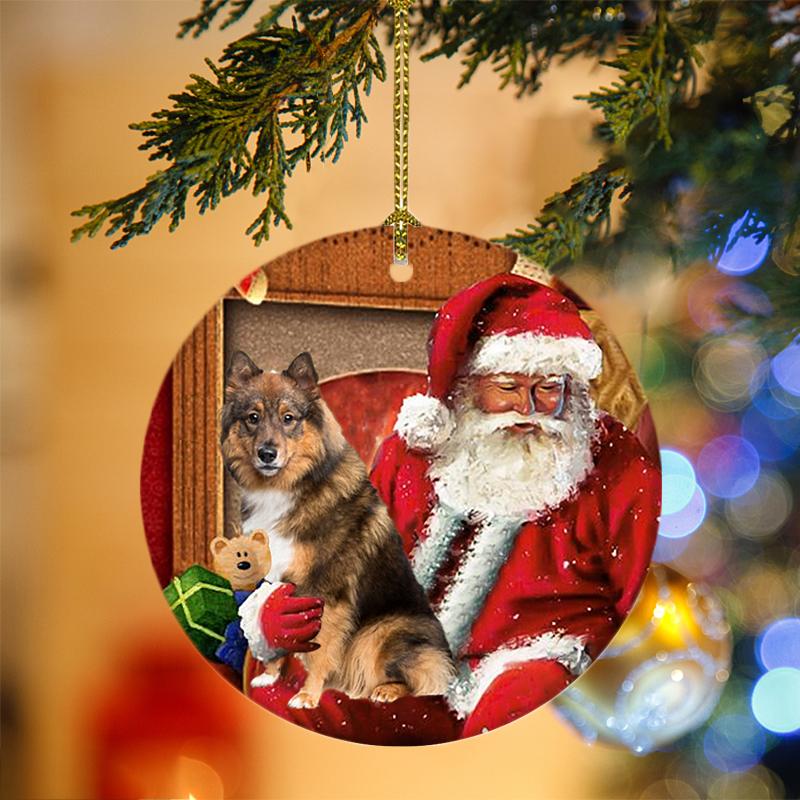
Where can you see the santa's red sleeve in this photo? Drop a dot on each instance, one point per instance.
(399, 475)
(632, 506)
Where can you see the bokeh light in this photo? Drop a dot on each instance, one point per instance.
(742, 254)
(669, 789)
(770, 397)
(678, 481)
(768, 435)
(706, 552)
(771, 405)
(755, 784)
(765, 593)
(779, 644)
(784, 397)
(763, 510)
(776, 700)
(712, 295)
(669, 550)
(789, 431)
(728, 466)
(687, 520)
(695, 424)
(725, 370)
(734, 743)
(786, 368)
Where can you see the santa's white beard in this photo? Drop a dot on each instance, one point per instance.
(487, 469)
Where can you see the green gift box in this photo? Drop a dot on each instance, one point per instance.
(204, 604)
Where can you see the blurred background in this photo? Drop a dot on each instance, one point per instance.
(102, 694)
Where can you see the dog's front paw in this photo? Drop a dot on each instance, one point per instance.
(388, 692)
(304, 700)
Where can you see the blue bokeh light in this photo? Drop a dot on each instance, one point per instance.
(667, 550)
(687, 520)
(678, 481)
(776, 700)
(766, 435)
(786, 367)
(728, 466)
(771, 406)
(734, 743)
(742, 254)
(788, 431)
(778, 645)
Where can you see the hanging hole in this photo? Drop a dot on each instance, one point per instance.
(401, 271)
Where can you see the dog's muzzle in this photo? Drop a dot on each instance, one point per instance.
(267, 456)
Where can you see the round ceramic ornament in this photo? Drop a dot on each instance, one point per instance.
(401, 512)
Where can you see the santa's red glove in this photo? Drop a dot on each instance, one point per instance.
(290, 623)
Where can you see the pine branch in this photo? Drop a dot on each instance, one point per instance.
(518, 39)
(280, 96)
(208, 13)
(657, 68)
(236, 10)
(570, 219)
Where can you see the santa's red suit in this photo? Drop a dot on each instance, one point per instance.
(526, 604)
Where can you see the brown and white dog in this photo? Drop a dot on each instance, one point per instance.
(331, 536)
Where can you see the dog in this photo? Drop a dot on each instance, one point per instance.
(331, 536)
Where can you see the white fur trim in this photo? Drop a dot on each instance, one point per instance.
(476, 577)
(467, 689)
(441, 528)
(536, 354)
(249, 612)
(424, 422)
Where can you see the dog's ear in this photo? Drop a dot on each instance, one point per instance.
(241, 369)
(302, 372)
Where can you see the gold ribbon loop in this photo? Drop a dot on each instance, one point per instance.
(401, 217)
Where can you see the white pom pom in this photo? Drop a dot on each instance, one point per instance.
(424, 423)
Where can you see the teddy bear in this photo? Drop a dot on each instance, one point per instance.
(243, 560)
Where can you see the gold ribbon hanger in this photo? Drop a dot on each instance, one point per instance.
(401, 270)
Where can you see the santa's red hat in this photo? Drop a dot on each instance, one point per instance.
(504, 324)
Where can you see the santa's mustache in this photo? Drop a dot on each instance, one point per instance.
(552, 426)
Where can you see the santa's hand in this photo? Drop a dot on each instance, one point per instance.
(290, 623)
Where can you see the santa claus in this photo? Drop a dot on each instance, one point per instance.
(529, 516)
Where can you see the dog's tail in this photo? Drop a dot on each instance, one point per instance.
(406, 649)
(416, 653)
(428, 670)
